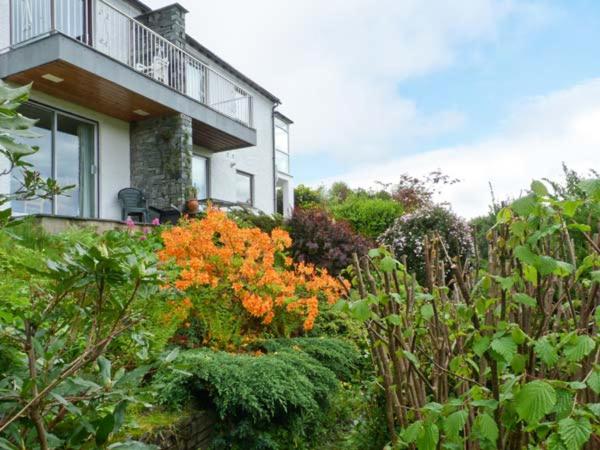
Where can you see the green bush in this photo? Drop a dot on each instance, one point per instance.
(369, 216)
(306, 197)
(271, 401)
(263, 222)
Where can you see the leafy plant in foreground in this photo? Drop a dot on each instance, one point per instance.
(506, 357)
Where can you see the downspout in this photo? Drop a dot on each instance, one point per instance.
(275, 105)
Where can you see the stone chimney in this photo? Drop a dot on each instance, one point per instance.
(168, 21)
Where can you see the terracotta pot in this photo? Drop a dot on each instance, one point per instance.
(192, 206)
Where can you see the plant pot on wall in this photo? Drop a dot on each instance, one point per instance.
(192, 205)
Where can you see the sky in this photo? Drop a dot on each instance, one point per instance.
(493, 92)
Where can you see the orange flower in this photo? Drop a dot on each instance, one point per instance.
(216, 252)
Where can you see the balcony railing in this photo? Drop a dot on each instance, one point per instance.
(102, 26)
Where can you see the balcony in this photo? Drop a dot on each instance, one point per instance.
(43, 37)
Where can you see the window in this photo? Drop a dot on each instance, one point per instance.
(243, 188)
(282, 142)
(67, 153)
(200, 175)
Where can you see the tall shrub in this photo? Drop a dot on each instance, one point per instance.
(369, 216)
(319, 239)
(503, 357)
(407, 235)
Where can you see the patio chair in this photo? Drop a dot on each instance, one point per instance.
(133, 203)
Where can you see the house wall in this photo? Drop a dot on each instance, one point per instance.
(124, 6)
(4, 24)
(257, 161)
(113, 153)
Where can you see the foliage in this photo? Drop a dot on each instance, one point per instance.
(502, 357)
(320, 240)
(480, 227)
(14, 127)
(66, 304)
(306, 197)
(240, 281)
(271, 401)
(368, 216)
(263, 222)
(414, 193)
(406, 237)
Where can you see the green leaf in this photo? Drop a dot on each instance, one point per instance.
(546, 351)
(172, 355)
(481, 345)
(411, 433)
(105, 427)
(569, 207)
(525, 299)
(105, 370)
(534, 401)
(388, 264)
(132, 445)
(518, 363)
(579, 348)
(539, 188)
(411, 357)
(564, 403)
(455, 422)
(591, 188)
(593, 381)
(506, 347)
(428, 437)
(505, 282)
(360, 310)
(486, 427)
(574, 432)
(525, 255)
(394, 319)
(524, 206)
(119, 415)
(427, 312)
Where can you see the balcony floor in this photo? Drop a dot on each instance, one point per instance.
(96, 81)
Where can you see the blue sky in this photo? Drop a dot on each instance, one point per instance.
(556, 51)
(488, 91)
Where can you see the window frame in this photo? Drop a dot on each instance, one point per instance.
(96, 165)
(250, 177)
(208, 173)
(285, 127)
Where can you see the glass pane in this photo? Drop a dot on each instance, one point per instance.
(282, 160)
(74, 166)
(41, 160)
(281, 139)
(200, 175)
(244, 188)
(70, 18)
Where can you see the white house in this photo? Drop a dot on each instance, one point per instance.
(126, 98)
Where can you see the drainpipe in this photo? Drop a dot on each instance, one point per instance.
(274, 155)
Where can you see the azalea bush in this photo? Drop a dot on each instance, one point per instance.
(317, 238)
(503, 357)
(239, 281)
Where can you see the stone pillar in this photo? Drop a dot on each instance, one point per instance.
(161, 159)
(169, 22)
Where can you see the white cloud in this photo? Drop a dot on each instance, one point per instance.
(539, 135)
(336, 64)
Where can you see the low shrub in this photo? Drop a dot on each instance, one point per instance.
(263, 222)
(268, 401)
(407, 235)
(319, 239)
(369, 216)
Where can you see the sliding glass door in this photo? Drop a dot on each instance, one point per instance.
(67, 152)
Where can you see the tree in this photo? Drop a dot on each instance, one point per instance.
(306, 197)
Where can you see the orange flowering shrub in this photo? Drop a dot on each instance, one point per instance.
(246, 271)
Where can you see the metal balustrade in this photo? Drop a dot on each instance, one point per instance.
(107, 29)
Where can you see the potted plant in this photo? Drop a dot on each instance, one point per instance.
(191, 204)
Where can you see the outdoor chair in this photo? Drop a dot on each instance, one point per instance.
(133, 203)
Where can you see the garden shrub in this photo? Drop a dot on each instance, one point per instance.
(320, 240)
(338, 355)
(267, 401)
(368, 216)
(263, 222)
(407, 235)
(239, 281)
(306, 197)
(504, 356)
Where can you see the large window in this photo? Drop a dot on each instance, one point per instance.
(282, 143)
(244, 188)
(67, 153)
(200, 175)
